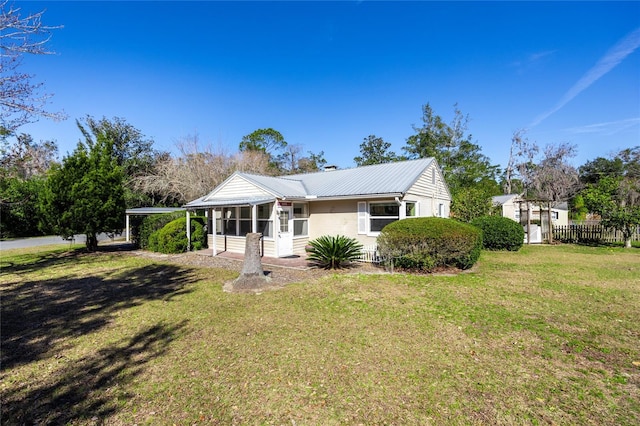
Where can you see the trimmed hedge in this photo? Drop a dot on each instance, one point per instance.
(500, 233)
(150, 224)
(426, 243)
(172, 238)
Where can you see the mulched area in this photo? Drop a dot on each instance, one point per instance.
(279, 275)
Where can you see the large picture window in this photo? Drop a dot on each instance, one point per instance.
(381, 214)
(300, 219)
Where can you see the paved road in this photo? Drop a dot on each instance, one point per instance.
(47, 241)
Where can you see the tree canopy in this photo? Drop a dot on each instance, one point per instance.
(375, 150)
(463, 165)
(614, 192)
(85, 195)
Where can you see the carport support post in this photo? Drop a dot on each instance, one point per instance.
(127, 233)
(188, 231)
(214, 222)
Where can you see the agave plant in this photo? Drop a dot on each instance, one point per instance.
(331, 252)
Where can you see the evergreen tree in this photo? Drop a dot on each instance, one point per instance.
(85, 195)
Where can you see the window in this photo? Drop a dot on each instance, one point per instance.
(410, 209)
(229, 220)
(300, 219)
(381, 214)
(265, 224)
(284, 221)
(554, 215)
(236, 220)
(440, 210)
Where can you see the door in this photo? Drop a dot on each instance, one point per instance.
(285, 231)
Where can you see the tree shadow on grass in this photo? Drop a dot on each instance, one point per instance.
(90, 389)
(38, 316)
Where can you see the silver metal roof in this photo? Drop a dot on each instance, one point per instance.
(375, 180)
(240, 201)
(389, 178)
(153, 210)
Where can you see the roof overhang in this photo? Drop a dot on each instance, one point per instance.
(144, 211)
(228, 202)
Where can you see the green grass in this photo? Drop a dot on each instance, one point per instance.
(546, 335)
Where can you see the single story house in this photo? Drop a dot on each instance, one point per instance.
(514, 206)
(291, 210)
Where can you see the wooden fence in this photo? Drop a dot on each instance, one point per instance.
(590, 234)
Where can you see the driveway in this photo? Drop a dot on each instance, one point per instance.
(47, 241)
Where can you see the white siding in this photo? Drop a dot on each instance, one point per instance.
(237, 187)
(429, 193)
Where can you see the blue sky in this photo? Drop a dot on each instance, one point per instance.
(328, 74)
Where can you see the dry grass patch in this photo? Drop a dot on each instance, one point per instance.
(542, 336)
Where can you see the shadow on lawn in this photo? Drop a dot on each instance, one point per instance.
(91, 389)
(38, 316)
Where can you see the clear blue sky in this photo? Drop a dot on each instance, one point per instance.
(328, 74)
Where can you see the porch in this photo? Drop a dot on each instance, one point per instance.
(294, 262)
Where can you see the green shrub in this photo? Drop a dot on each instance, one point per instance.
(425, 243)
(150, 224)
(331, 252)
(172, 238)
(500, 233)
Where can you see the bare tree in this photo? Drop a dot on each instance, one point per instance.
(20, 98)
(521, 161)
(26, 159)
(197, 170)
(555, 180)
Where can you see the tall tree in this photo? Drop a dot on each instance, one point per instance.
(132, 151)
(85, 195)
(292, 160)
(615, 196)
(268, 141)
(375, 150)
(21, 98)
(463, 165)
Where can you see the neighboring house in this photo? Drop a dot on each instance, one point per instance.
(513, 206)
(291, 210)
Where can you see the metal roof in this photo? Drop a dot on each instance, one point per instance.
(247, 201)
(389, 178)
(153, 210)
(374, 180)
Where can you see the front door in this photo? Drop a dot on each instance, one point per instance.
(285, 232)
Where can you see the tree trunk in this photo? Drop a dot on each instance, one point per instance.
(92, 242)
(252, 277)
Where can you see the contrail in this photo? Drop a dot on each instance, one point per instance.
(613, 57)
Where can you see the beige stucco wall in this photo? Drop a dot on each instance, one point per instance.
(333, 218)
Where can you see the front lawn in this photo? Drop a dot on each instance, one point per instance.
(546, 335)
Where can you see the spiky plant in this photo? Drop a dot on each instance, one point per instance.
(330, 252)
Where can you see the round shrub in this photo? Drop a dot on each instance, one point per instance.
(500, 233)
(172, 238)
(426, 243)
(150, 224)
